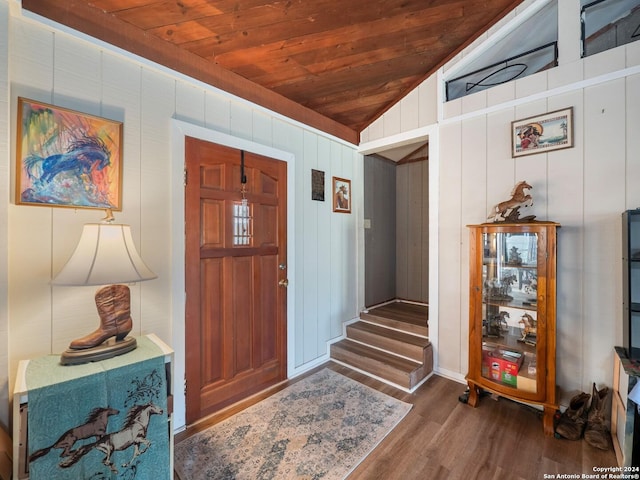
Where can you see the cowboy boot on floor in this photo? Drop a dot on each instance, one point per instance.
(596, 433)
(113, 303)
(573, 419)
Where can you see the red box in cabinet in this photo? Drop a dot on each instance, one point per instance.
(503, 365)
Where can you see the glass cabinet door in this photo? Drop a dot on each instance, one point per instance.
(509, 309)
(631, 283)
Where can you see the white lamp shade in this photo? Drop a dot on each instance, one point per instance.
(104, 255)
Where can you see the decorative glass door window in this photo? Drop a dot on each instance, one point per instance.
(242, 224)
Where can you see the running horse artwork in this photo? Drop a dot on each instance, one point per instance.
(67, 158)
(94, 426)
(133, 434)
(509, 210)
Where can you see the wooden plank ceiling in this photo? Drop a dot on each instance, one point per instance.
(336, 65)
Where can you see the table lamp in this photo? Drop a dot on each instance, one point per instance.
(105, 255)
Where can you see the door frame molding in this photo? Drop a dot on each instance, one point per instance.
(180, 130)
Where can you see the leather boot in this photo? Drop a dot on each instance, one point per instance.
(573, 419)
(596, 433)
(113, 303)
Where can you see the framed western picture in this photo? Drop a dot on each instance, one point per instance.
(66, 158)
(542, 133)
(341, 195)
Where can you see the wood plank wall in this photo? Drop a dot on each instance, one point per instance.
(397, 243)
(412, 231)
(380, 238)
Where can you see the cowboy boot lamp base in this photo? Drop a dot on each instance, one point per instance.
(108, 349)
(110, 338)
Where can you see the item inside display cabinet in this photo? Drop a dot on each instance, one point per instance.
(514, 257)
(496, 325)
(498, 290)
(529, 329)
(502, 365)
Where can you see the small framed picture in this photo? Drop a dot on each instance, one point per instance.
(341, 195)
(317, 185)
(67, 158)
(542, 133)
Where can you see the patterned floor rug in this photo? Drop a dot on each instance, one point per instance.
(321, 427)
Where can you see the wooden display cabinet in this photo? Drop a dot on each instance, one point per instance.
(512, 314)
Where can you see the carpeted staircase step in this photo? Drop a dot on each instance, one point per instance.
(394, 341)
(401, 316)
(397, 370)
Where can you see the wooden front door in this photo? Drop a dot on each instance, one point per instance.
(235, 275)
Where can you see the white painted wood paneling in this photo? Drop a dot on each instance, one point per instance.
(417, 189)
(324, 272)
(531, 84)
(428, 101)
(604, 200)
(153, 196)
(410, 111)
(403, 217)
(473, 177)
(569, 32)
(310, 247)
(392, 120)
(632, 54)
(5, 188)
(501, 93)
(217, 112)
(473, 102)
(77, 76)
(412, 231)
(565, 193)
(605, 62)
(451, 314)
(31, 56)
(565, 74)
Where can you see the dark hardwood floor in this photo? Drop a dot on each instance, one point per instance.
(442, 438)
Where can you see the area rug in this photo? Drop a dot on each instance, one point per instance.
(321, 427)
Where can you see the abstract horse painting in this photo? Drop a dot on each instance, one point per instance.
(67, 158)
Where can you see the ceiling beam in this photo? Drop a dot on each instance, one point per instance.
(103, 26)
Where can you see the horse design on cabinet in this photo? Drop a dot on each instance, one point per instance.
(94, 426)
(132, 434)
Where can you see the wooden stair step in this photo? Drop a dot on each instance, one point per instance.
(394, 341)
(397, 370)
(383, 317)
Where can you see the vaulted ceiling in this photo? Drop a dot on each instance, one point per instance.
(336, 65)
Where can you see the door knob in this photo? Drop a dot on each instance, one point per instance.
(284, 282)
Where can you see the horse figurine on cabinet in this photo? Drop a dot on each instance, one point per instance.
(509, 210)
